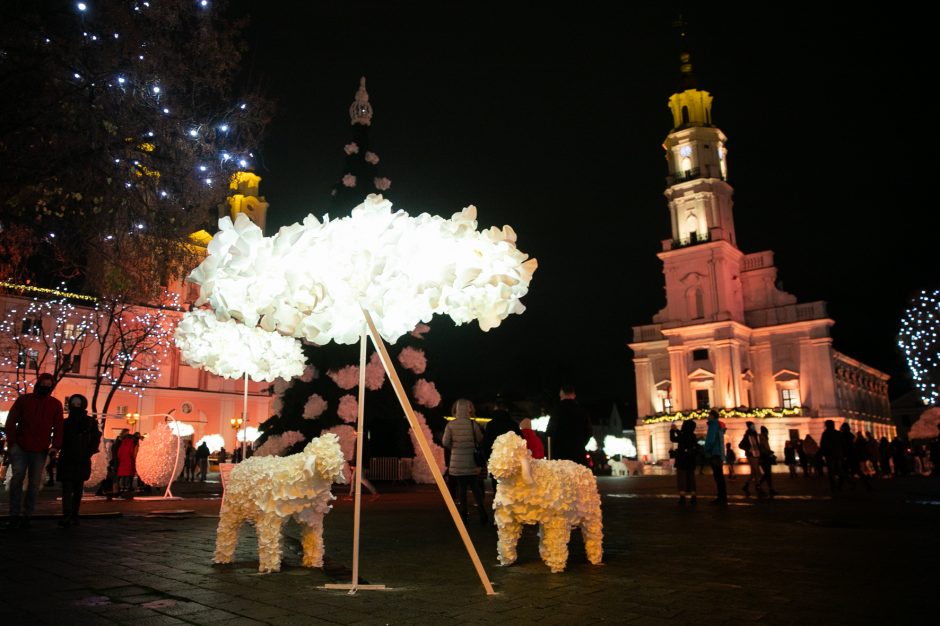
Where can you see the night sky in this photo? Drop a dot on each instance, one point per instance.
(552, 121)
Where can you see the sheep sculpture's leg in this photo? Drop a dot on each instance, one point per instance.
(509, 530)
(553, 543)
(226, 536)
(312, 539)
(592, 531)
(268, 528)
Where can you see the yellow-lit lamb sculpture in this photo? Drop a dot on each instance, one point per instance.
(557, 495)
(267, 490)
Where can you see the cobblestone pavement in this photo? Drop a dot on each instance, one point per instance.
(803, 558)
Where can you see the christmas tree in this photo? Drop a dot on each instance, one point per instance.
(325, 398)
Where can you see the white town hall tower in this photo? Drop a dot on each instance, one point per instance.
(728, 338)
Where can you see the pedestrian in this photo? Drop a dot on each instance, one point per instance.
(202, 461)
(884, 456)
(532, 440)
(222, 455)
(237, 455)
(500, 422)
(126, 464)
(462, 436)
(189, 462)
(33, 423)
(686, 455)
(569, 428)
(854, 452)
(80, 441)
(873, 454)
(730, 459)
(715, 451)
(830, 447)
(767, 460)
(4, 459)
(750, 443)
(811, 449)
(789, 457)
(50, 469)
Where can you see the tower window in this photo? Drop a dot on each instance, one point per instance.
(700, 355)
(685, 115)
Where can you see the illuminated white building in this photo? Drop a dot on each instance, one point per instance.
(728, 337)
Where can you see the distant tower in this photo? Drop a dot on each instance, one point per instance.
(360, 175)
(245, 198)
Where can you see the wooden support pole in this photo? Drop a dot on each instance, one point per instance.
(425, 449)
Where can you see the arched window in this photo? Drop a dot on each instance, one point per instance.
(685, 115)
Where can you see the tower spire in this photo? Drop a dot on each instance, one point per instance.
(360, 111)
(686, 77)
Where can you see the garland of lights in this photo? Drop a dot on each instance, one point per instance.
(918, 340)
(46, 291)
(700, 414)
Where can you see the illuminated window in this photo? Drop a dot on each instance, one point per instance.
(69, 331)
(28, 359)
(667, 405)
(791, 398)
(32, 326)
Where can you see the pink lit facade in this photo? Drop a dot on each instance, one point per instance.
(728, 337)
(202, 400)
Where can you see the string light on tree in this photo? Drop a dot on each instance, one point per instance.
(917, 339)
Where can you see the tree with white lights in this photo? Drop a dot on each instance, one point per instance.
(121, 130)
(132, 342)
(41, 336)
(917, 339)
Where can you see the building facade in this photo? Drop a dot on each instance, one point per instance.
(47, 339)
(728, 337)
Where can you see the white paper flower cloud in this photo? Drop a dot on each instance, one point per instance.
(420, 471)
(310, 280)
(231, 350)
(276, 444)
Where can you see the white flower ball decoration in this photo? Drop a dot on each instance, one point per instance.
(278, 444)
(420, 471)
(348, 410)
(159, 452)
(315, 407)
(426, 394)
(413, 359)
(346, 377)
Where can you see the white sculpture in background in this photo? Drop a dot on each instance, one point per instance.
(159, 453)
(265, 491)
(556, 495)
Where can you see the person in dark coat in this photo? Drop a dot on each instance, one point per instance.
(500, 423)
(80, 442)
(202, 460)
(569, 428)
(830, 446)
(686, 458)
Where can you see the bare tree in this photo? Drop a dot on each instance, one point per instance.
(41, 336)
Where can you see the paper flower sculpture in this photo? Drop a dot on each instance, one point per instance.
(231, 350)
(268, 490)
(556, 495)
(310, 280)
(99, 463)
(413, 359)
(157, 456)
(420, 472)
(347, 443)
(314, 407)
(277, 444)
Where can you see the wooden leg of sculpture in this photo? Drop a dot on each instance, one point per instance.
(244, 418)
(354, 585)
(425, 449)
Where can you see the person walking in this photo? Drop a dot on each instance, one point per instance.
(80, 441)
(767, 461)
(462, 436)
(500, 422)
(34, 430)
(715, 453)
(126, 464)
(730, 459)
(189, 462)
(686, 456)
(750, 443)
(811, 449)
(532, 440)
(830, 446)
(569, 428)
(202, 461)
(789, 457)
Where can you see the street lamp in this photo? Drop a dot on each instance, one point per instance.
(132, 419)
(238, 422)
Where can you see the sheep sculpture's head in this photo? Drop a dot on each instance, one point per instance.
(324, 459)
(510, 457)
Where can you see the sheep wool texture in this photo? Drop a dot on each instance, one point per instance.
(265, 491)
(556, 495)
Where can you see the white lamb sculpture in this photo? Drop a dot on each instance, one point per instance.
(557, 495)
(267, 490)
